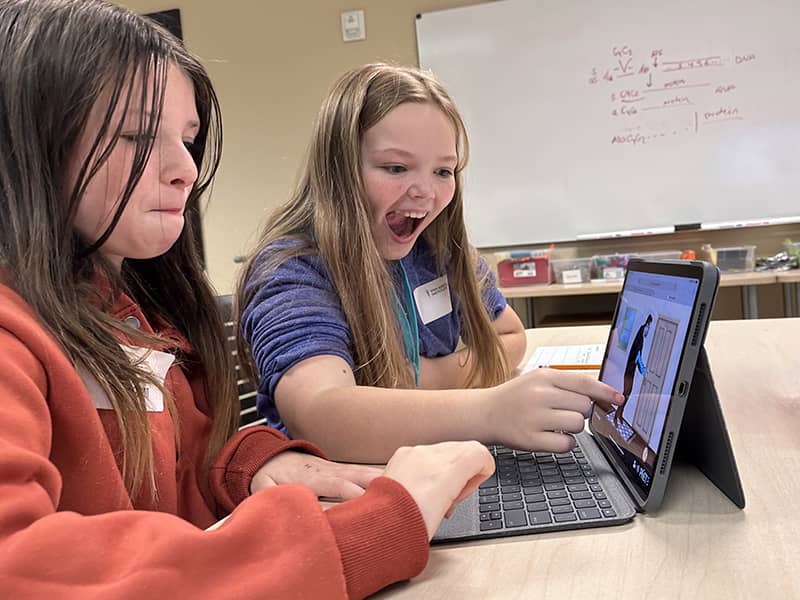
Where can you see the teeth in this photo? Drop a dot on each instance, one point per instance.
(415, 215)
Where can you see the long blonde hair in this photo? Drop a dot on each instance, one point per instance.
(57, 58)
(328, 215)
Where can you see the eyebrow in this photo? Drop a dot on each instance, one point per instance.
(448, 157)
(192, 125)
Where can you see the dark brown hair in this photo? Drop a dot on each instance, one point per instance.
(56, 57)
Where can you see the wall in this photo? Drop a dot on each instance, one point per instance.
(272, 63)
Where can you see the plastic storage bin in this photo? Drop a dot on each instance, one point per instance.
(660, 255)
(738, 258)
(610, 266)
(571, 270)
(523, 267)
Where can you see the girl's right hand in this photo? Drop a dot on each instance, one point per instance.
(540, 409)
(440, 476)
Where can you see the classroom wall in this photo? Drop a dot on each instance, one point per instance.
(272, 63)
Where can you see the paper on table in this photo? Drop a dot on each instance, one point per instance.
(582, 354)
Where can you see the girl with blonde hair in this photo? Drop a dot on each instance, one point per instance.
(364, 284)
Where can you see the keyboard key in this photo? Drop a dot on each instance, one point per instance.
(591, 480)
(581, 495)
(489, 507)
(511, 497)
(509, 489)
(609, 512)
(600, 495)
(488, 499)
(531, 498)
(486, 517)
(604, 503)
(562, 518)
(596, 487)
(539, 518)
(570, 480)
(560, 502)
(558, 510)
(513, 505)
(537, 506)
(553, 486)
(491, 525)
(577, 487)
(515, 518)
(585, 503)
(588, 513)
(509, 481)
(557, 494)
(532, 489)
(488, 491)
(491, 482)
(551, 478)
(495, 515)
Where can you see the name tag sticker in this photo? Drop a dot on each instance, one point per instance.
(433, 299)
(151, 361)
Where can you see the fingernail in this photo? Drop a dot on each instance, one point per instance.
(620, 398)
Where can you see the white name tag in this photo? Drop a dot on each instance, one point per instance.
(156, 363)
(433, 299)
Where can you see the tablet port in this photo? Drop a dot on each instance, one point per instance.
(682, 387)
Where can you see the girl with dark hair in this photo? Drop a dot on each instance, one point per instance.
(118, 409)
(372, 322)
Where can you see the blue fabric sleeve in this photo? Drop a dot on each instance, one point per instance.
(295, 313)
(493, 298)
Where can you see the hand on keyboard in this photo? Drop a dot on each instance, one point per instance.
(440, 476)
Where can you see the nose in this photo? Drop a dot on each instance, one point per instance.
(421, 188)
(178, 168)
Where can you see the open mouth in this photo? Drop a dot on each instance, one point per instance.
(405, 223)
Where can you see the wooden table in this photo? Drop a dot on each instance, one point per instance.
(791, 291)
(699, 545)
(747, 282)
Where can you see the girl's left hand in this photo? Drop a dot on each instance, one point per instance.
(325, 478)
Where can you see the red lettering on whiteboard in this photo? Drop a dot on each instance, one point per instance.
(744, 59)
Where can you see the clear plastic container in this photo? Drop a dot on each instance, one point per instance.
(571, 270)
(660, 255)
(610, 266)
(737, 258)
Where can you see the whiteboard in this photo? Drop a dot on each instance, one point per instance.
(589, 118)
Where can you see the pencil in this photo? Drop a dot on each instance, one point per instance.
(573, 367)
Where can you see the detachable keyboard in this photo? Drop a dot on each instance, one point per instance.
(536, 488)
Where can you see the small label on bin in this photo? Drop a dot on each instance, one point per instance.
(527, 269)
(571, 276)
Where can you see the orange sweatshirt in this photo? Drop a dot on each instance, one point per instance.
(69, 529)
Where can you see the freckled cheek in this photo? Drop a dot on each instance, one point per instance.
(382, 194)
(445, 194)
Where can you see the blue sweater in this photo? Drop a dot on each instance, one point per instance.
(295, 314)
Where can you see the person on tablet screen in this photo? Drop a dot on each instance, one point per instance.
(634, 363)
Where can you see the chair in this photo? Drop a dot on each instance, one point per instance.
(246, 390)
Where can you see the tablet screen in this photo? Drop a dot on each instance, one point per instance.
(643, 354)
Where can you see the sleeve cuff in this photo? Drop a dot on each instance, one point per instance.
(243, 455)
(381, 536)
